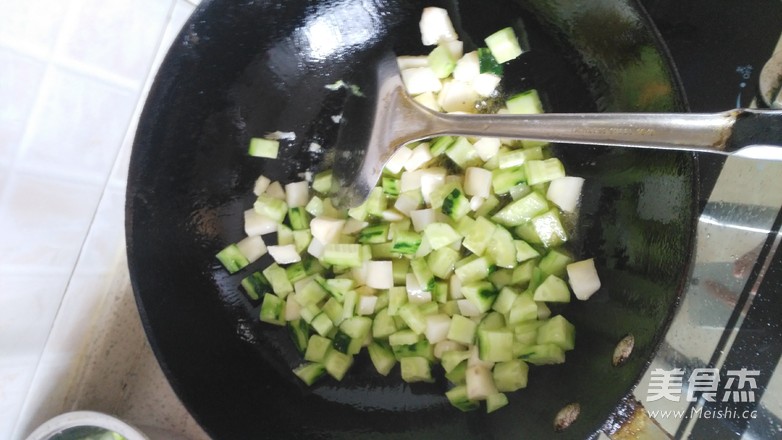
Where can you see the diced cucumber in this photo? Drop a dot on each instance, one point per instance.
(481, 294)
(504, 45)
(317, 347)
(311, 293)
(308, 313)
(255, 285)
(284, 236)
(495, 345)
(525, 103)
(260, 147)
(543, 354)
(278, 278)
(462, 329)
(440, 145)
(515, 158)
(322, 182)
(415, 369)
(343, 255)
(452, 358)
(495, 402)
(501, 248)
(391, 186)
(526, 333)
(457, 374)
(457, 396)
(555, 262)
(476, 270)
(383, 325)
(382, 358)
(505, 300)
(413, 317)
(440, 292)
(456, 205)
(422, 273)
(300, 333)
(524, 251)
(553, 289)
(357, 327)
(232, 258)
(526, 231)
(406, 242)
(397, 297)
(359, 212)
(440, 235)
(510, 375)
(376, 202)
(349, 302)
(299, 218)
(315, 206)
(337, 364)
(487, 62)
(301, 240)
(441, 262)
(404, 337)
(272, 309)
(421, 348)
(441, 61)
(548, 227)
(479, 235)
(522, 210)
(536, 280)
(309, 373)
(501, 277)
(523, 309)
(429, 308)
(492, 321)
(462, 153)
(322, 324)
(270, 207)
(541, 171)
(503, 179)
(488, 206)
(557, 330)
(374, 234)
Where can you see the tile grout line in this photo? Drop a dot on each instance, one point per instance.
(67, 24)
(70, 20)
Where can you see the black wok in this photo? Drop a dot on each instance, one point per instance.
(244, 68)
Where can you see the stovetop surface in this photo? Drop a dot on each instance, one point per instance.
(729, 318)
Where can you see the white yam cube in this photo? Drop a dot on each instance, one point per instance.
(380, 274)
(297, 194)
(398, 159)
(565, 192)
(487, 147)
(485, 84)
(420, 156)
(435, 26)
(421, 80)
(477, 182)
(252, 247)
(467, 68)
(284, 254)
(583, 278)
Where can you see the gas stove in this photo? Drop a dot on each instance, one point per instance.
(717, 373)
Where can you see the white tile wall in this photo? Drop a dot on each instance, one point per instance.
(20, 80)
(73, 75)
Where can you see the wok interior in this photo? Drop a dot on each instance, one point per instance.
(239, 71)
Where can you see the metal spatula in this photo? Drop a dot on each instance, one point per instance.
(384, 117)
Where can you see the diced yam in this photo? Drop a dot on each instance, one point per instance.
(436, 26)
